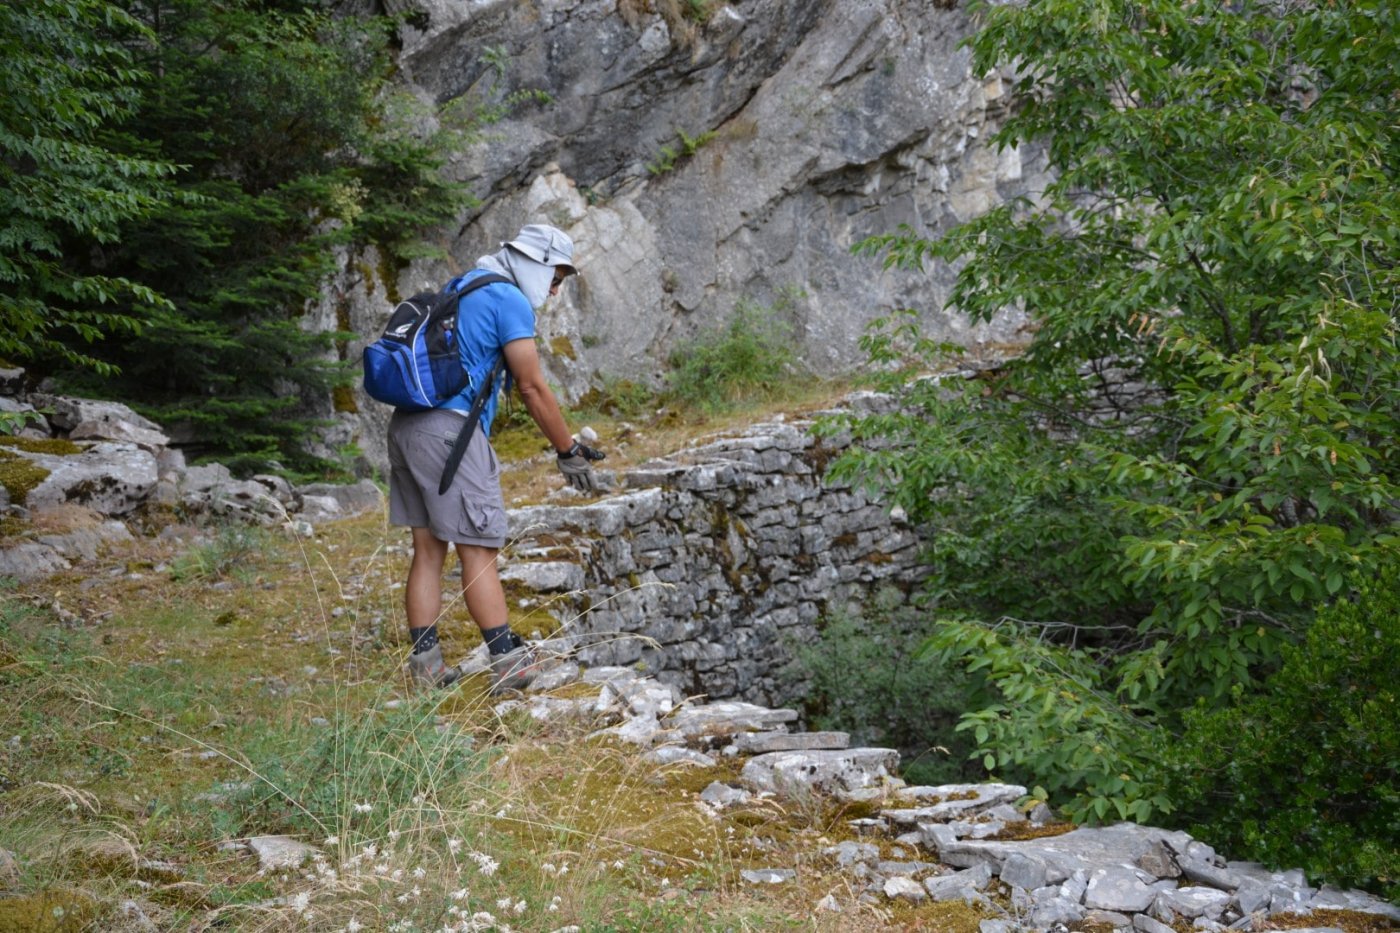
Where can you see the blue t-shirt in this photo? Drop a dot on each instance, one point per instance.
(487, 320)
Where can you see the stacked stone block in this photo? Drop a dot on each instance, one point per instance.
(713, 562)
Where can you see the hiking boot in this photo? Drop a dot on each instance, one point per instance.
(515, 669)
(427, 669)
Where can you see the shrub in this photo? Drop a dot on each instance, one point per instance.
(863, 676)
(1306, 771)
(748, 359)
(233, 551)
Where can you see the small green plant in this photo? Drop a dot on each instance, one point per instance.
(12, 422)
(691, 144)
(696, 10)
(669, 156)
(664, 162)
(233, 550)
(748, 359)
(618, 398)
(362, 778)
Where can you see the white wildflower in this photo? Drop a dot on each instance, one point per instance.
(354, 926)
(332, 840)
(549, 868)
(300, 902)
(396, 874)
(363, 807)
(520, 907)
(393, 835)
(485, 863)
(420, 872)
(459, 895)
(453, 845)
(402, 898)
(503, 903)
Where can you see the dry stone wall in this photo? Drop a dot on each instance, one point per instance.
(709, 565)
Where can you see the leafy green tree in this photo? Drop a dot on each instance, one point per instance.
(1221, 234)
(68, 81)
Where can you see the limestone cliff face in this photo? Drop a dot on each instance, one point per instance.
(832, 120)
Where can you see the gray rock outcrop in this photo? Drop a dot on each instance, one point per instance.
(102, 463)
(811, 126)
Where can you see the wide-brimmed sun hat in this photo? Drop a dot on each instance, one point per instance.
(545, 244)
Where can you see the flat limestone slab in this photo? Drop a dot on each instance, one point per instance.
(757, 743)
(728, 718)
(820, 771)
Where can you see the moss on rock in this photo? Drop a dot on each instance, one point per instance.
(55, 911)
(564, 347)
(19, 476)
(47, 445)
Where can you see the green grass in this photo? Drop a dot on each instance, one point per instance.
(246, 682)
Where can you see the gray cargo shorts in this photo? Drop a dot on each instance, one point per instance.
(473, 510)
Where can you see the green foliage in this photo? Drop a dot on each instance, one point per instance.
(12, 422)
(1056, 721)
(182, 209)
(270, 111)
(1306, 771)
(697, 10)
(863, 676)
(69, 79)
(749, 358)
(1221, 231)
(669, 156)
(617, 398)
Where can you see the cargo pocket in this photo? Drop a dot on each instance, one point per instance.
(482, 519)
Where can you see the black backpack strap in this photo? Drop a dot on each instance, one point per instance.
(481, 281)
(459, 446)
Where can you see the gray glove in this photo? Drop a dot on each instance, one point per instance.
(576, 466)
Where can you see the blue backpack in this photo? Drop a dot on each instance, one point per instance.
(414, 365)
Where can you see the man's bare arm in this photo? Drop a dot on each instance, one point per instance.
(524, 362)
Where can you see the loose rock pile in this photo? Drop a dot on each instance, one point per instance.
(966, 842)
(105, 458)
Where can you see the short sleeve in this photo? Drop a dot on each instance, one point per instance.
(514, 320)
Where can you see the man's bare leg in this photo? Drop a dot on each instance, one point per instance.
(481, 587)
(423, 605)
